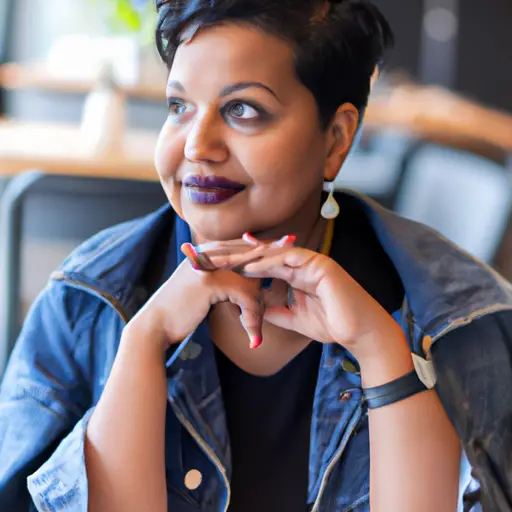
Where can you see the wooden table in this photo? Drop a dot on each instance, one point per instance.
(440, 116)
(60, 149)
(16, 76)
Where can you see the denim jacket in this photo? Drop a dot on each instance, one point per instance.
(65, 352)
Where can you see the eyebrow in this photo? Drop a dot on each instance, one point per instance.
(174, 84)
(230, 89)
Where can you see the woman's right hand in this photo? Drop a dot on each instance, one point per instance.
(184, 300)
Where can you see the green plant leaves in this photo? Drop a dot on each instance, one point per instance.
(128, 16)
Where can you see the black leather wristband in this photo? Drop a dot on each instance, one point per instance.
(394, 391)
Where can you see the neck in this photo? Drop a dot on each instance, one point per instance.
(306, 224)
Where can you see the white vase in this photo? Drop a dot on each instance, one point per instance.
(104, 115)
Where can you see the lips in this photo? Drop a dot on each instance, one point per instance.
(210, 190)
(212, 182)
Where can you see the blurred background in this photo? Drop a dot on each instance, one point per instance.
(82, 99)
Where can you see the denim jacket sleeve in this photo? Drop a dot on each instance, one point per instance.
(474, 382)
(44, 397)
(61, 483)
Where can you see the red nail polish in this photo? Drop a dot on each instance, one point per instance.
(248, 237)
(290, 239)
(256, 342)
(192, 249)
(191, 254)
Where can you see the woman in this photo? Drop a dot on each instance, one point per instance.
(136, 385)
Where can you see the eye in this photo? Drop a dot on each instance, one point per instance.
(239, 110)
(177, 107)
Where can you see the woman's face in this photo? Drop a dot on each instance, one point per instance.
(242, 149)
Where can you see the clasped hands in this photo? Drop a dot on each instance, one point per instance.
(325, 303)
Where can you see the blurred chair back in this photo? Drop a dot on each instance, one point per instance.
(467, 198)
(373, 166)
(42, 218)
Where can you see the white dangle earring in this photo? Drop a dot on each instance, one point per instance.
(331, 208)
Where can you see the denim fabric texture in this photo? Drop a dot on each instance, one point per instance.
(68, 344)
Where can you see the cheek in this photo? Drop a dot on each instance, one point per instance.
(169, 152)
(283, 156)
(168, 159)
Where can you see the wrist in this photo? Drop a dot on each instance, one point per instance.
(383, 357)
(145, 337)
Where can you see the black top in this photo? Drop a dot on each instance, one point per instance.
(269, 418)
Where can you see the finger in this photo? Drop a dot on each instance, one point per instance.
(247, 237)
(198, 261)
(292, 257)
(291, 265)
(286, 241)
(230, 261)
(205, 262)
(263, 250)
(233, 254)
(189, 251)
(275, 272)
(243, 293)
(298, 270)
(297, 300)
(220, 247)
(252, 323)
(281, 316)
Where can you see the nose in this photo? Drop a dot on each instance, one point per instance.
(205, 142)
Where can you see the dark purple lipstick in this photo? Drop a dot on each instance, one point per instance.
(211, 189)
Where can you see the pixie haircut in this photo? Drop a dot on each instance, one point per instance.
(337, 44)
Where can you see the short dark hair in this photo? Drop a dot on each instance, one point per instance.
(337, 44)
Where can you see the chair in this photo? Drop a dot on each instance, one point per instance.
(373, 166)
(467, 198)
(50, 207)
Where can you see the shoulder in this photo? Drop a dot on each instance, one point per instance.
(479, 339)
(474, 369)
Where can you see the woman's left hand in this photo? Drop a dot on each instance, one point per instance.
(328, 305)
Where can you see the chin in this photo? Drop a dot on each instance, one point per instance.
(214, 227)
(218, 232)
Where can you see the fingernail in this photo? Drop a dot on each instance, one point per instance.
(249, 238)
(190, 252)
(285, 241)
(188, 249)
(192, 249)
(256, 342)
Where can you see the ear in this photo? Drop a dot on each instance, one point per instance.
(340, 136)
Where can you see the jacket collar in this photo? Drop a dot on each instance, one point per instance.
(444, 285)
(112, 263)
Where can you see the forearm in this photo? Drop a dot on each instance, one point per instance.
(414, 450)
(125, 442)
